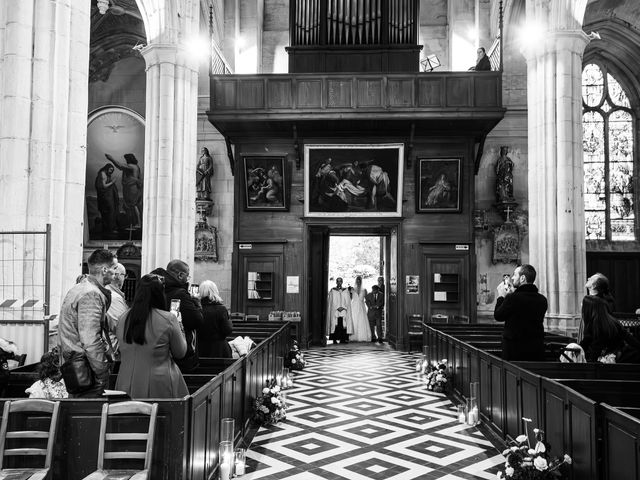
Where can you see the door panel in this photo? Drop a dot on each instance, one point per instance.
(317, 279)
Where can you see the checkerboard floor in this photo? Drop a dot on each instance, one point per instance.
(360, 411)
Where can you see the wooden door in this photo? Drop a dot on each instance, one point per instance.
(317, 280)
(260, 280)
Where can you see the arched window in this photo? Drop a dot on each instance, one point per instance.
(608, 145)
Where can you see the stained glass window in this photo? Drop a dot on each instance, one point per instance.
(607, 143)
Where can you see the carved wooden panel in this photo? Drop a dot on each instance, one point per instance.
(309, 93)
(224, 94)
(369, 93)
(279, 94)
(485, 91)
(251, 94)
(339, 93)
(458, 92)
(430, 92)
(400, 92)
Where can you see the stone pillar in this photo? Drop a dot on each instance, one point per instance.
(170, 156)
(44, 63)
(555, 177)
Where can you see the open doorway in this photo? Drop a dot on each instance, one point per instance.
(359, 262)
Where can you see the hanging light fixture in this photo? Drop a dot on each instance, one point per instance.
(103, 6)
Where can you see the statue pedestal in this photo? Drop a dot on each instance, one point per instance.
(506, 208)
(206, 236)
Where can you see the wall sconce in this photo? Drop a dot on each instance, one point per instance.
(429, 63)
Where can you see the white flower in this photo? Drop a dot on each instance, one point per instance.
(536, 430)
(444, 360)
(567, 459)
(506, 452)
(265, 391)
(540, 448)
(276, 389)
(521, 438)
(264, 409)
(509, 471)
(293, 360)
(514, 449)
(499, 475)
(531, 451)
(526, 419)
(540, 463)
(274, 400)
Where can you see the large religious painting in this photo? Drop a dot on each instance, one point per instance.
(265, 183)
(114, 175)
(353, 180)
(438, 185)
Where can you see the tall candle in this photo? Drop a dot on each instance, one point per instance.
(461, 418)
(225, 471)
(239, 468)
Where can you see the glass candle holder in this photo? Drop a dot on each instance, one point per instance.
(240, 461)
(225, 460)
(462, 414)
(227, 430)
(285, 378)
(472, 412)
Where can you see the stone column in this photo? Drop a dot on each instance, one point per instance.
(44, 63)
(170, 156)
(555, 177)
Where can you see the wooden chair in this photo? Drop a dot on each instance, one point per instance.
(119, 439)
(415, 331)
(30, 441)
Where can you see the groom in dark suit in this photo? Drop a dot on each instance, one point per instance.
(375, 304)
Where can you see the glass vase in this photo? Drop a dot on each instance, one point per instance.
(225, 460)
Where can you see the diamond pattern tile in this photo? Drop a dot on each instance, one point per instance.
(362, 412)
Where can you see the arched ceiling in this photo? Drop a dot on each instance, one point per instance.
(113, 36)
(625, 11)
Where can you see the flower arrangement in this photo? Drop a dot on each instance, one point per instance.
(295, 358)
(436, 375)
(270, 406)
(526, 463)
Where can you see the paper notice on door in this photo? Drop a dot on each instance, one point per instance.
(436, 277)
(439, 296)
(293, 284)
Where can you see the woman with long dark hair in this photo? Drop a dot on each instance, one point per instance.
(597, 288)
(150, 339)
(603, 334)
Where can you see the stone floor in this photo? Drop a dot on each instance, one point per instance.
(360, 411)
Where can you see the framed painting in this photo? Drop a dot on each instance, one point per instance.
(114, 176)
(353, 180)
(438, 185)
(265, 183)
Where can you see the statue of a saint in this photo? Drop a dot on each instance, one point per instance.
(504, 177)
(204, 172)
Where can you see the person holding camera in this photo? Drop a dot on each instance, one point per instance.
(522, 308)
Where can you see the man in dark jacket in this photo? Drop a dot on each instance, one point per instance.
(176, 286)
(482, 62)
(522, 310)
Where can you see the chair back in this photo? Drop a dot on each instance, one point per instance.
(252, 318)
(119, 440)
(30, 440)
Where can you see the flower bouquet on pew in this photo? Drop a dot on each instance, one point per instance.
(526, 463)
(270, 406)
(295, 358)
(436, 375)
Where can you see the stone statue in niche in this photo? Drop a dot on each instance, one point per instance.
(504, 177)
(204, 172)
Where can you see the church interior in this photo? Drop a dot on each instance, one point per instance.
(453, 140)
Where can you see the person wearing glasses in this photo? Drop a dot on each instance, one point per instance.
(176, 277)
(118, 306)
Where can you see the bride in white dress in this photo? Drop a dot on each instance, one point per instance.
(361, 329)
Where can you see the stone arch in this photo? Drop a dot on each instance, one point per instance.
(169, 21)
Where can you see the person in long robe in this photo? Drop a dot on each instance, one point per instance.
(339, 323)
(359, 313)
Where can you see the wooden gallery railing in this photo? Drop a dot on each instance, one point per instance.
(353, 22)
(590, 411)
(188, 428)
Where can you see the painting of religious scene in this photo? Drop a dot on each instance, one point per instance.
(265, 183)
(353, 180)
(438, 185)
(114, 175)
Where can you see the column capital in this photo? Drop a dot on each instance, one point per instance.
(572, 41)
(157, 53)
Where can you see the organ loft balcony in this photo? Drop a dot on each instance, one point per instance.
(354, 68)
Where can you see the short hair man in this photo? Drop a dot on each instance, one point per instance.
(522, 310)
(118, 305)
(176, 286)
(482, 61)
(82, 320)
(375, 304)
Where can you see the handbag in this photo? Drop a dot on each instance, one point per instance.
(77, 373)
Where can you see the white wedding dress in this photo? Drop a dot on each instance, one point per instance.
(361, 329)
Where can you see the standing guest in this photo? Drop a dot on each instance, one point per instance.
(82, 320)
(522, 310)
(482, 61)
(604, 335)
(150, 338)
(339, 324)
(597, 287)
(381, 285)
(217, 325)
(118, 306)
(50, 385)
(176, 286)
(375, 304)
